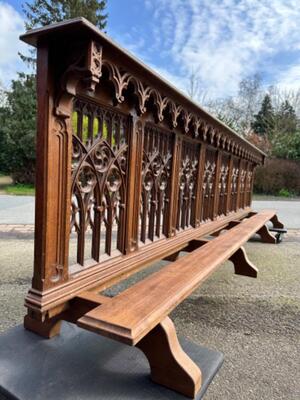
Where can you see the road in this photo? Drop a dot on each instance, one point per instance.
(20, 210)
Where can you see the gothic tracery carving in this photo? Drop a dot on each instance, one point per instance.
(98, 181)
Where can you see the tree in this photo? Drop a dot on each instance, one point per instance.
(286, 119)
(238, 111)
(45, 12)
(263, 123)
(248, 101)
(18, 117)
(17, 130)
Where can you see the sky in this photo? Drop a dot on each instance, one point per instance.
(220, 41)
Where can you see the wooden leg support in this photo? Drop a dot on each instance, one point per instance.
(266, 235)
(172, 257)
(276, 223)
(46, 329)
(242, 265)
(170, 365)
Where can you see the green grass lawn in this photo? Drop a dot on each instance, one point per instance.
(20, 189)
(268, 197)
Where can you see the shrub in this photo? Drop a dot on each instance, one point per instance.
(284, 193)
(278, 177)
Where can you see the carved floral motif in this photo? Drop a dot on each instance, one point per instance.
(187, 185)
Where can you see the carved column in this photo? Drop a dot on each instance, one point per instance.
(216, 186)
(199, 188)
(53, 175)
(229, 181)
(134, 183)
(173, 203)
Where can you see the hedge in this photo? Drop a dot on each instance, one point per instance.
(277, 177)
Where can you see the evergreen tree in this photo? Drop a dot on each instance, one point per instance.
(263, 123)
(45, 12)
(18, 116)
(286, 119)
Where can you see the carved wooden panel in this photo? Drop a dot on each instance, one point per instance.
(188, 172)
(99, 170)
(249, 185)
(156, 183)
(209, 185)
(223, 184)
(243, 176)
(234, 184)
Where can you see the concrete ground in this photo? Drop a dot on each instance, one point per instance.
(254, 322)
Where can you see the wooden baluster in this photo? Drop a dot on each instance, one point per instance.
(229, 180)
(174, 192)
(216, 185)
(196, 216)
(134, 191)
(199, 188)
(238, 186)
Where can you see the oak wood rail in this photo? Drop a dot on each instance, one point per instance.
(129, 171)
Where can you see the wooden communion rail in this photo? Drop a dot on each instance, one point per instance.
(130, 171)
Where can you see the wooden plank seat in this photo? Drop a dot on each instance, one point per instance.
(264, 232)
(139, 315)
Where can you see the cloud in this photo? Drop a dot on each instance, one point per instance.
(289, 78)
(225, 40)
(11, 26)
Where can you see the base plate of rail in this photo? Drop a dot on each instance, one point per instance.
(78, 364)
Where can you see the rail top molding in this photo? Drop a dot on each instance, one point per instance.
(88, 55)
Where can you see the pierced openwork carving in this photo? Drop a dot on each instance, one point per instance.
(234, 184)
(242, 187)
(249, 184)
(187, 185)
(223, 185)
(98, 181)
(208, 186)
(119, 78)
(156, 183)
(94, 64)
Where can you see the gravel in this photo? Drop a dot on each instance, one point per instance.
(254, 322)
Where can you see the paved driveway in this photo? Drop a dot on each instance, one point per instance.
(288, 211)
(20, 210)
(16, 209)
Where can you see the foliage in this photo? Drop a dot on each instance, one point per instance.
(18, 106)
(45, 12)
(278, 176)
(284, 193)
(263, 123)
(17, 130)
(238, 111)
(20, 189)
(286, 145)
